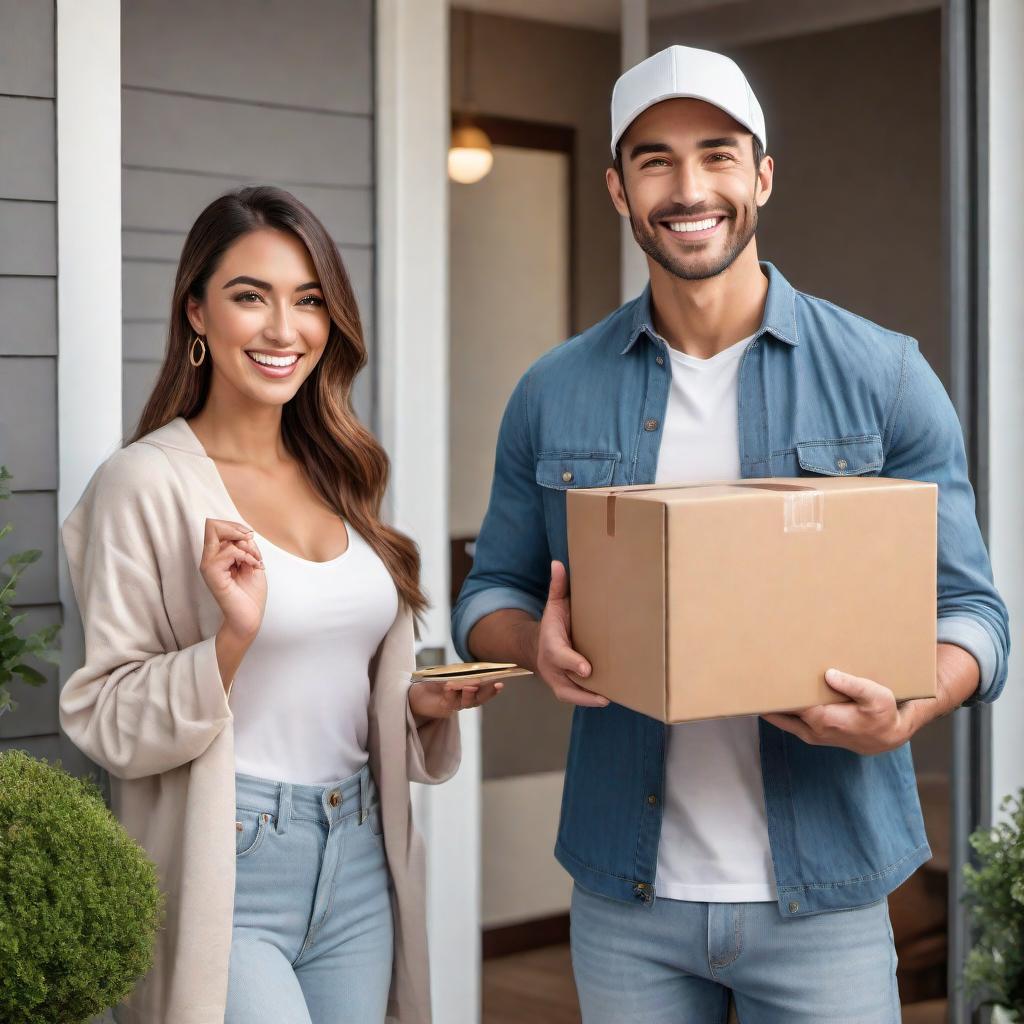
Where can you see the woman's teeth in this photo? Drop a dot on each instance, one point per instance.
(259, 357)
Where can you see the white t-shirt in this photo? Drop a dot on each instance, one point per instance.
(300, 698)
(714, 834)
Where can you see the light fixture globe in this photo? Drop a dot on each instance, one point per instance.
(470, 157)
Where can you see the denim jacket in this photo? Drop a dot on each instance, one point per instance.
(821, 392)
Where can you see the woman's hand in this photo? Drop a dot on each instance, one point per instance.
(438, 698)
(232, 568)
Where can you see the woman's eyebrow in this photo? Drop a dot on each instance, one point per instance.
(267, 286)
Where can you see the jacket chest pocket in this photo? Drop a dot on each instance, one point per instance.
(558, 472)
(841, 456)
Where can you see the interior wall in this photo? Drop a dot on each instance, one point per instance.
(556, 74)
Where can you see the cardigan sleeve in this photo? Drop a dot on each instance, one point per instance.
(138, 705)
(434, 749)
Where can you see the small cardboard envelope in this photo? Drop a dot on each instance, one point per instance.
(470, 672)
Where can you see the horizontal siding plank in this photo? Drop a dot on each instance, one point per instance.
(137, 382)
(216, 136)
(28, 238)
(28, 316)
(26, 47)
(28, 167)
(48, 747)
(155, 200)
(28, 421)
(318, 57)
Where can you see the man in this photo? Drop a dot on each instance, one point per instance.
(749, 854)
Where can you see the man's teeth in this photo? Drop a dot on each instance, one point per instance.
(259, 357)
(693, 225)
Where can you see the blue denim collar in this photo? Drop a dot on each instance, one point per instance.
(779, 311)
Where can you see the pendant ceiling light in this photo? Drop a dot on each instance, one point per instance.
(470, 157)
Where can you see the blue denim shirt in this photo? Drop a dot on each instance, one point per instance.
(821, 392)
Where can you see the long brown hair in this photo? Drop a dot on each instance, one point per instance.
(341, 458)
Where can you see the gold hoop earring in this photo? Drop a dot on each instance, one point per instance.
(191, 351)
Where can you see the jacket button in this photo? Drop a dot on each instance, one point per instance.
(652, 799)
(650, 425)
(841, 463)
(567, 477)
(794, 906)
(660, 360)
(334, 799)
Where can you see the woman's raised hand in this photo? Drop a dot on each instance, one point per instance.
(233, 570)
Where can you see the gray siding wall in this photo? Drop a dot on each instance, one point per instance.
(227, 94)
(28, 342)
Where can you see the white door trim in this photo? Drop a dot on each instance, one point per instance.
(412, 132)
(88, 107)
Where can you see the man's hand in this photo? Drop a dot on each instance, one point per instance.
(872, 722)
(557, 662)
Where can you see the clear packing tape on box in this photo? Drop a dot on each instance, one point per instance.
(803, 508)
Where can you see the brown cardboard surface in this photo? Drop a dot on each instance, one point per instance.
(733, 598)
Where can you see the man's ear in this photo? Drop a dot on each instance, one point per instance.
(765, 180)
(616, 191)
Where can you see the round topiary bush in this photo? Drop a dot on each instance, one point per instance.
(79, 901)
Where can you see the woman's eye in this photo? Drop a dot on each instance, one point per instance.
(248, 297)
(313, 300)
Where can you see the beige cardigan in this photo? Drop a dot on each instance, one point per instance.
(149, 706)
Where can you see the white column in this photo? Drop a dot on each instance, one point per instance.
(1006, 371)
(412, 298)
(633, 274)
(88, 59)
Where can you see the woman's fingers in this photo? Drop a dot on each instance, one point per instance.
(230, 552)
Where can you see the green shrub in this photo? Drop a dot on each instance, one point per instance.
(995, 888)
(79, 902)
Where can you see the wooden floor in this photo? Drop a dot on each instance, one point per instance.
(537, 988)
(530, 988)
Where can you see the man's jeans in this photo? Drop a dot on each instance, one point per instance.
(675, 962)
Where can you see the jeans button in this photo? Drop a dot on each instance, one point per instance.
(650, 426)
(794, 906)
(334, 799)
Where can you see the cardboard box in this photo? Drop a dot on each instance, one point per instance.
(711, 600)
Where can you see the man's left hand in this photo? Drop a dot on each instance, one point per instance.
(872, 721)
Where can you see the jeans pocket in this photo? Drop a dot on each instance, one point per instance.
(250, 828)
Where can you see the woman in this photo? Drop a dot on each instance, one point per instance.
(248, 647)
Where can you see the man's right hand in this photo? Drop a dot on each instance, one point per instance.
(557, 663)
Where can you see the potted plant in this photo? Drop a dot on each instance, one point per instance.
(994, 969)
(13, 648)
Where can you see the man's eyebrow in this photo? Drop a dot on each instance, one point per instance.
(726, 140)
(643, 148)
(267, 286)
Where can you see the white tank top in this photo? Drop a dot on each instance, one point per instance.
(300, 697)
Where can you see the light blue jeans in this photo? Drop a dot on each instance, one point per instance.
(675, 963)
(313, 936)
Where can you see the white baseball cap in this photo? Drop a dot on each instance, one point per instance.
(683, 71)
